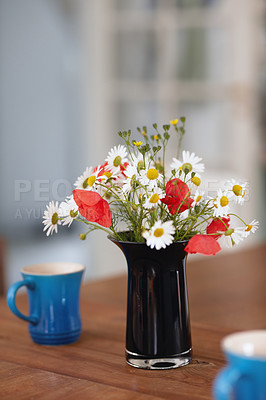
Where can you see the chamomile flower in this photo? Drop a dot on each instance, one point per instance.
(252, 227)
(232, 236)
(154, 199)
(221, 204)
(160, 235)
(141, 162)
(68, 210)
(237, 190)
(150, 177)
(131, 175)
(51, 218)
(117, 156)
(198, 198)
(190, 163)
(82, 180)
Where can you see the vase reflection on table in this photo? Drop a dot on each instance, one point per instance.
(158, 325)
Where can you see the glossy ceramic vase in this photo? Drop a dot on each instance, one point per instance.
(158, 332)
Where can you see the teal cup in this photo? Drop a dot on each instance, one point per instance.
(54, 305)
(245, 376)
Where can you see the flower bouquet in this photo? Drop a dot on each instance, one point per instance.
(156, 214)
(156, 203)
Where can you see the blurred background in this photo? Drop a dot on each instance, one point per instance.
(75, 72)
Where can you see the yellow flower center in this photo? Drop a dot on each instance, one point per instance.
(108, 174)
(237, 189)
(117, 161)
(158, 232)
(186, 167)
(198, 198)
(154, 198)
(54, 218)
(248, 228)
(224, 201)
(174, 121)
(196, 180)
(229, 232)
(140, 165)
(144, 133)
(156, 137)
(91, 180)
(132, 180)
(152, 174)
(85, 183)
(73, 213)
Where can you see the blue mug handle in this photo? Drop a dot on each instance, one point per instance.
(11, 300)
(225, 382)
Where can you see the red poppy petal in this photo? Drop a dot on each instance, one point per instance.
(86, 197)
(218, 226)
(202, 244)
(93, 207)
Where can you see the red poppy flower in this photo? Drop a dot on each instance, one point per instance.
(203, 244)
(177, 196)
(93, 207)
(218, 226)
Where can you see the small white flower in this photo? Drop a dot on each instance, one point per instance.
(82, 180)
(150, 177)
(139, 162)
(232, 236)
(51, 218)
(237, 190)
(198, 198)
(154, 198)
(68, 210)
(131, 175)
(221, 204)
(117, 156)
(160, 235)
(190, 163)
(252, 227)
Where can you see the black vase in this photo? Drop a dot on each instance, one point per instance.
(158, 326)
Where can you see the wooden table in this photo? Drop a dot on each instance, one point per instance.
(227, 293)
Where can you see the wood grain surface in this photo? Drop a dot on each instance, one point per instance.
(227, 293)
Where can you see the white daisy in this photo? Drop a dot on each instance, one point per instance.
(190, 163)
(82, 180)
(198, 198)
(160, 235)
(131, 175)
(232, 236)
(139, 162)
(154, 198)
(221, 204)
(150, 177)
(51, 218)
(237, 190)
(117, 156)
(252, 227)
(68, 210)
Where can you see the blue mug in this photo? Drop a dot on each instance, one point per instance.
(245, 376)
(53, 293)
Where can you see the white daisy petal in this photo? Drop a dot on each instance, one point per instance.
(117, 156)
(221, 204)
(237, 190)
(160, 235)
(68, 210)
(51, 218)
(190, 163)
(252, 227)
